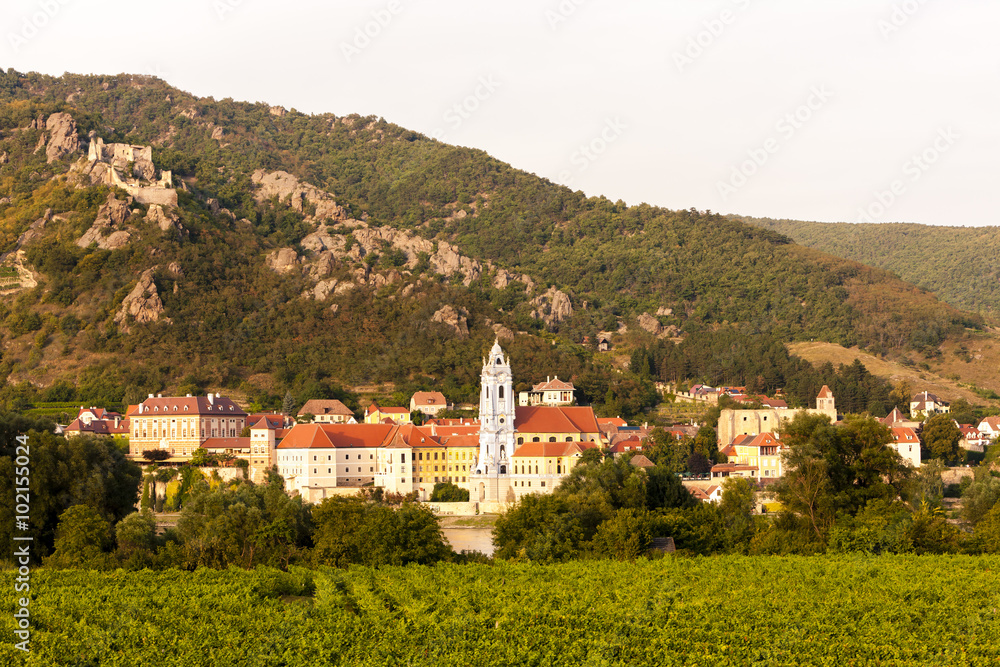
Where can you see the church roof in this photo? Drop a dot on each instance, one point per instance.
(546, 419)
(825, 392)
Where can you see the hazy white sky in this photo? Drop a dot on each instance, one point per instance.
(846, 110)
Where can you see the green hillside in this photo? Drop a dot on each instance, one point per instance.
(960, 265)
(423, 239)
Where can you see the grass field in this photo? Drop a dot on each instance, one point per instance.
(902, 610)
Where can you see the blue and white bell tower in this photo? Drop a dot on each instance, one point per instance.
(496, 430)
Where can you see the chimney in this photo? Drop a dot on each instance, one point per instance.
(151, 396)
(434, 430)
(211, 399)
(159, 395)
(189, 395)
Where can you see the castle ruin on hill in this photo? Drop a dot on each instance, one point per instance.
(131, 168)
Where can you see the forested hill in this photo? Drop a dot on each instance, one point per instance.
(960, 265)
(314, 252)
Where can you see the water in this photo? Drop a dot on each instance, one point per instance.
(470, 539)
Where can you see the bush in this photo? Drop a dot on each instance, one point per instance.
(155, 454)
(446, 492)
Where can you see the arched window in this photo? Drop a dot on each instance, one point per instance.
(552, 438)
(520, 441)
(536, 439)
(500, 392)
(487, 392)
(499, 361)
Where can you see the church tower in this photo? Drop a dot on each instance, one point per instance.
(496, 430)
(826, 404)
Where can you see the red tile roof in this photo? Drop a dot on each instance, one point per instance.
(434, 398)
(825, 392)
(196, 405)
(612, 421)
(545, 419)
(330, 436)
(904, 434)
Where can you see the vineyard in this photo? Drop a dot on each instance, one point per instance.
(902, 610)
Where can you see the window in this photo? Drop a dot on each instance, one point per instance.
(520, 441)
(552, 438)
(402, 458)
(536, 439)
(314, 471)
(500, 392)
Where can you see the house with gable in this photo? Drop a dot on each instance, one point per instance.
(989, 428)
(906, 442)
(928, 405)
(374, 414)
(430, 403)
(552, 392)
(325, 411)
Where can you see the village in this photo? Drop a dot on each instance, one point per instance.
(504, 453)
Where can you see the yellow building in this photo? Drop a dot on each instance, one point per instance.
(180, 425)
(377, 415)
(538, 467)
(757, 456)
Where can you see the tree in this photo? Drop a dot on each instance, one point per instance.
(737, 506)
(941, 438)
(356, 531)
(288, 403)
(77, 471)
(698, 464)
(833, 469)
(136, 532)
(446, 492)
(155, 454)
(82, 537)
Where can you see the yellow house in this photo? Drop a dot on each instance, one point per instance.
(761, 452)
(377, 415)
(180, 425)
(539, 467)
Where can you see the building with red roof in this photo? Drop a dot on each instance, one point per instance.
(180, 424)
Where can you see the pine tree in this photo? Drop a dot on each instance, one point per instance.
(288, 404)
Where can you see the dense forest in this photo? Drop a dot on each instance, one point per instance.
(230, 321)
(958, 264)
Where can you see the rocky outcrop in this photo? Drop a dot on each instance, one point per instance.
(664, 312)
(650, 324)
(283, 185)
(36, 229)
(282, 260)
(552, 307)
(165, 220)
(112, 214)
(3, 158)
(142, 304)
(457, 320)
(63, 139)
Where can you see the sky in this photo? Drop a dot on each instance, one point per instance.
(838, 111)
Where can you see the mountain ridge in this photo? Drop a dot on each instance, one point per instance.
(511, 252)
